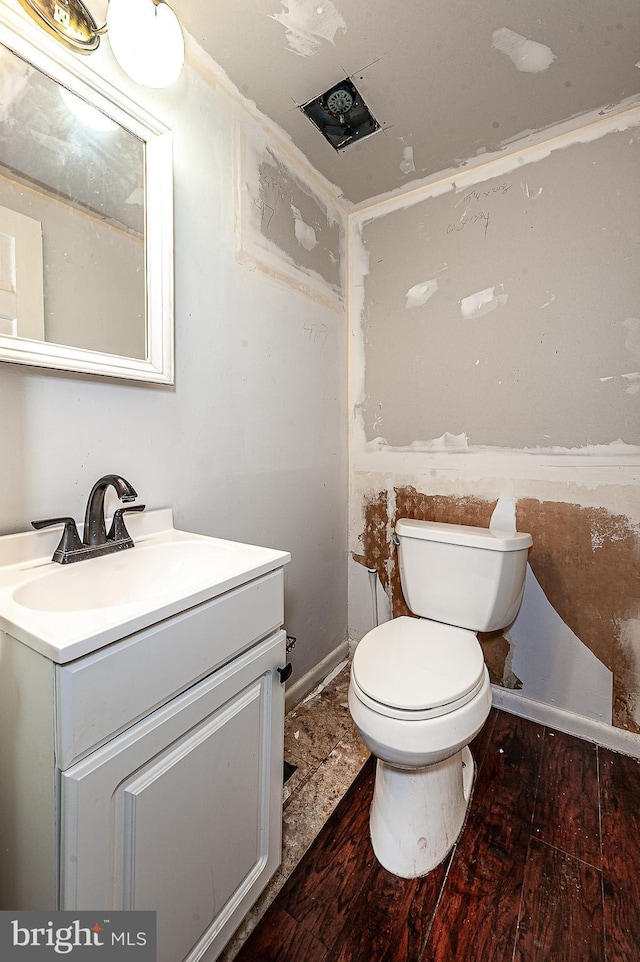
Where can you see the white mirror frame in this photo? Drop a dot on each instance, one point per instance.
(46, 54)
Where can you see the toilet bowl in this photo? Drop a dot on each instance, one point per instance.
(419, 690)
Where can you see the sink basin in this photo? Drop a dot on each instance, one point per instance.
(135, 576)
(67, 611)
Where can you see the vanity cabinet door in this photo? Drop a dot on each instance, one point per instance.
(182, 813)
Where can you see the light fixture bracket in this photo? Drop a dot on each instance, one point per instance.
(68, 21)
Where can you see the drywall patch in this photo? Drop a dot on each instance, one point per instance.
(419, 294)
(447, 442)
(630, 381)
(583, 581)
(407, 165)
(528, 56)
(482, 302)
(307, 23)
(305, 234)
(284, 227)
(286, 207)
(529, 193)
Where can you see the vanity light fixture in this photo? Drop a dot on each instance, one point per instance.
(68, 21)
(145, 35)
(146, 40)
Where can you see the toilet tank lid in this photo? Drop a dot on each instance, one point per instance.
(463, 534)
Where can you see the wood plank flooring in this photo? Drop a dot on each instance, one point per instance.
(544, 871)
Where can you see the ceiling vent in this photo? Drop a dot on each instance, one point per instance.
(341, 115)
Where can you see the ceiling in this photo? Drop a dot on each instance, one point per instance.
(447, 79)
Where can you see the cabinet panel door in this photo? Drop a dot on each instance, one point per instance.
(183, 815)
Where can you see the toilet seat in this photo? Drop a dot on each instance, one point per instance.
(412, 668)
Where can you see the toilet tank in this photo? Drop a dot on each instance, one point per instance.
(461, 575)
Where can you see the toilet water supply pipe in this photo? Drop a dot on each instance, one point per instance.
(373, 582)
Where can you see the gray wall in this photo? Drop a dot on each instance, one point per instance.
(250, 443)
(509, 310)
(82, 255)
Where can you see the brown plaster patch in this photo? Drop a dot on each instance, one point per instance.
(585, 559)
(497, 651)
(376, 544)
(453, 510)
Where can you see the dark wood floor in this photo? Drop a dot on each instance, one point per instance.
(544, 871)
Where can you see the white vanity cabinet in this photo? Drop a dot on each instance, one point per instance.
(148, 774)
(181, 813)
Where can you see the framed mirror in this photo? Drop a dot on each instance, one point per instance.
(86, 217)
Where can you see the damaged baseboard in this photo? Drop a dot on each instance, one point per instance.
(303, 685)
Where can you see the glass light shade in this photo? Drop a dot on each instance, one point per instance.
(146, 40)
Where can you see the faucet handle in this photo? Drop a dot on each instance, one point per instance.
(118, 530)
(70, 540)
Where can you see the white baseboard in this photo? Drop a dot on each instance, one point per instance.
(617, 739)
(303, 685)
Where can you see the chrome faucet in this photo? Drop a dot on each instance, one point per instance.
(95, 541)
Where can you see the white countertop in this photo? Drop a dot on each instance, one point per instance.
(113, 596)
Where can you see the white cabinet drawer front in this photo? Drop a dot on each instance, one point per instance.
(106, 692)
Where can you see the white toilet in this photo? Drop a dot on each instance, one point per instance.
(420, 691)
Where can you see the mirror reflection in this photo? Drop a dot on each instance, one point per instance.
(72, 217)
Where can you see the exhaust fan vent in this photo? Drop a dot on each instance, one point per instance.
(341, 115)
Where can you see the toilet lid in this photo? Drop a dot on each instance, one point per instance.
(418, 665)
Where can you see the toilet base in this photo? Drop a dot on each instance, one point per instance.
(417, 815)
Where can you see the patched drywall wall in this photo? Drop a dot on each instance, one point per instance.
(297, 223)
(495, 355)
(286, 227)
(510, 305)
